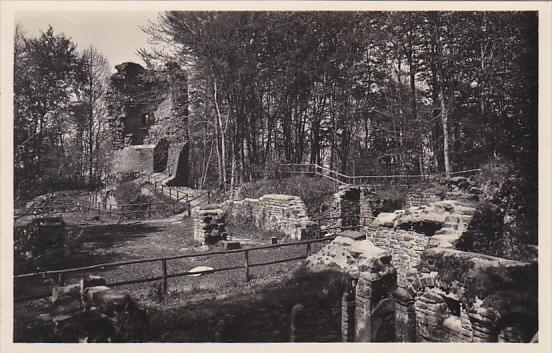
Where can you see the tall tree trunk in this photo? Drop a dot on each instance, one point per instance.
(221, 133)
(444, 122)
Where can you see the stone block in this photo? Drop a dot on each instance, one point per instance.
(65, 305)
(355, 235)
(111, 300)
(90, 292)
(92, 281)
(72, 290)
(231, 244)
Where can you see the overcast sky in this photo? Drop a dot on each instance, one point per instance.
(116, 35)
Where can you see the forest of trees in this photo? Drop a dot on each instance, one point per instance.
(60, 128)
(367, 93)
(364, 93)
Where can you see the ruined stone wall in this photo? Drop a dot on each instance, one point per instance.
(416, 198)
(406, 248)
(209, 224)
(368, 198)
(147, 108)
(346, 206)
(283, 213)
(467, 297)
(354, 206)
(138, 158)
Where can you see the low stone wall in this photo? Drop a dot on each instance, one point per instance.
(467, 297)
(419, 198)
(209, 224)
(346, 206)
(367, 305)
(137, 158)
(283, 213)
(408, 233)
(406, 249)
(86, 311)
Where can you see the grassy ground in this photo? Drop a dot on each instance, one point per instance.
(94, 241)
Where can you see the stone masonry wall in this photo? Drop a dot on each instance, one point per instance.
(406, 248)
(468, 297)
(419, 198)
(284, 213)
(149, 107)
(209, 224)
(346, 207)
(137, 158)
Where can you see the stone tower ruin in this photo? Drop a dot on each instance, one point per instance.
(149, 121)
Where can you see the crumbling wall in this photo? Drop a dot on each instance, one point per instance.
(366, 306)
(408, 233)
(137, 158)
(209, 224)
(406, 248)
(346, 206)
(467, 297)
(149, 107)
(86, 311)
(284, 213)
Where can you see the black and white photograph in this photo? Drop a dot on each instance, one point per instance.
(322, 172)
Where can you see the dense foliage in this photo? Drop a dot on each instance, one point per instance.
(59, 138)
(506, 223)
(315, 192)
(364, 93)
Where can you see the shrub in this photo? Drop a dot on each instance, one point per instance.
(506, 224)
(130, 193)
(390, 199)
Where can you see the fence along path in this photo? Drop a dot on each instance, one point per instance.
(340, 178)
(165, 275)
(59, 275)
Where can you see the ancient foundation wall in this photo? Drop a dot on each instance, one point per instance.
(138, 158)
(467, 297)
(419, 198)
(406, 248)
(209, 224)
(283, 213)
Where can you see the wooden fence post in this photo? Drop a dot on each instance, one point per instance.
(110, 210)
(189, 209)
(174, 208)
(295, 311)
(308, 249)
(170, 193)
(164, 269)
(61, 279)
(246, 265)
(122, 211)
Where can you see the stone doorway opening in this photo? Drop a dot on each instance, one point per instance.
(160, 156)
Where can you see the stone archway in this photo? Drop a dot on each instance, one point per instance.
(160, 156)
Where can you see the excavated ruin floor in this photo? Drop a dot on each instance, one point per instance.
(96, 241)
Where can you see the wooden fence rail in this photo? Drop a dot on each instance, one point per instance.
(315, 169)
(165, 275)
